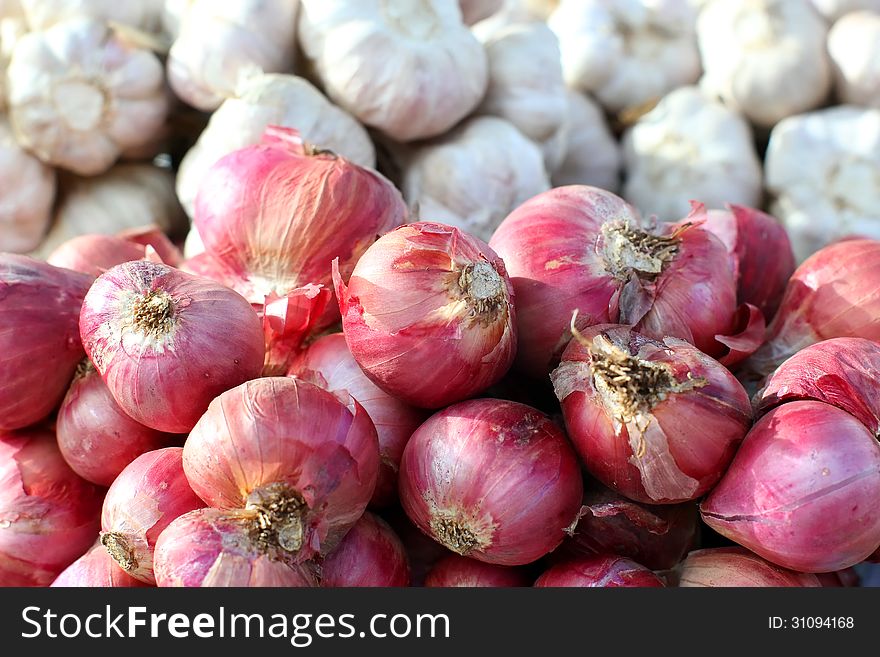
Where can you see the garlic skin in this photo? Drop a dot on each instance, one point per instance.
(626, 53)
(593, 156)
(127, 196)
(141, 14)
(764, 58)
(410, 68)
(822, 170)
(854, 48)
(221, 42)
(475, 176)
(834, 9)
(690, 148)
(12, 27)
(173, 13)
(272, 99)
(473, 11)
(27, 197)
(79, 96)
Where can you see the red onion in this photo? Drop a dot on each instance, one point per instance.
(153, 237)
(599, 571)
(458, 571)
(761, 251)
(835, 293)
(736, 566)
(656, 421)
(39, 344)
(150, 493)
(840, 371)
(328, 363)
(657, 536)
(95, 568)
(277, 213)
(96, 437)
(428, 314)
(492, 480)
(802, 491)
(167, 343)
(301, 463)
(371, 554)
(48, 515)
(580, 248)
(94, 254)
(214, 548)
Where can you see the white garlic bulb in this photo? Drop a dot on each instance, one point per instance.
(854, 48)
(126, 196)
(222, 41)
(690, 148)
(513, 12)
(626, 52)
(79, 95)
(173, 14)
(410, 68)
(141, 14)
(27, 196)
(823, 170)
(272, 99)
(593, 156)
(193, 244)
(474, 176)
(834, 9)
(12, 27)
(764, 58)
(473, 11)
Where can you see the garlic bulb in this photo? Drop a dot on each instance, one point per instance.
(193, 245)
(690, 147)
(27, 197)
(834, 9)
(221, 42)
(127, 196)
(141, 14)
(593, 156)
(626, 53)
(410, 68)
(79, 96)
(12, 27)
(474, 176)
(173, 14)
(854, 48)
(764, 58)
(473, 11)
(822, 169)
(272, 99)
(513, 12)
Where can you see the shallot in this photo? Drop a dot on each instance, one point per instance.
(599, 571)
(736, 566)
(458, 571)
(95, 568)
(371, 554)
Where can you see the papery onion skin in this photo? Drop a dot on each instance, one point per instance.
(216, 548)
(371, 554)
(145, 498)
(840, 371)
(276, 214)
(95, 568)
(328, 363)
(599, 571)
(736, 566)
(49, 516)
(802, 490)
(285, 441)
(672, 439)
(96, 437)
(94, 254)
(428, 314)
(167, 343)
(40, 345)
(458, 571)
(491, 480)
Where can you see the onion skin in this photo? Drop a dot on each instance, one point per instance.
(599, 571)
(167, 343)
(284, 433)
(40, 345)
(95, 568)
(458, 571)
(840, 371)
(371, 554)
(48, 515)
(215, 548)
(96, 437)
(670, 447)
(146, 497)
(835, 293)
(491, 480)
(428, 314)
(736, 566)
(94, 254)
(328, 363)
(802, 491)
